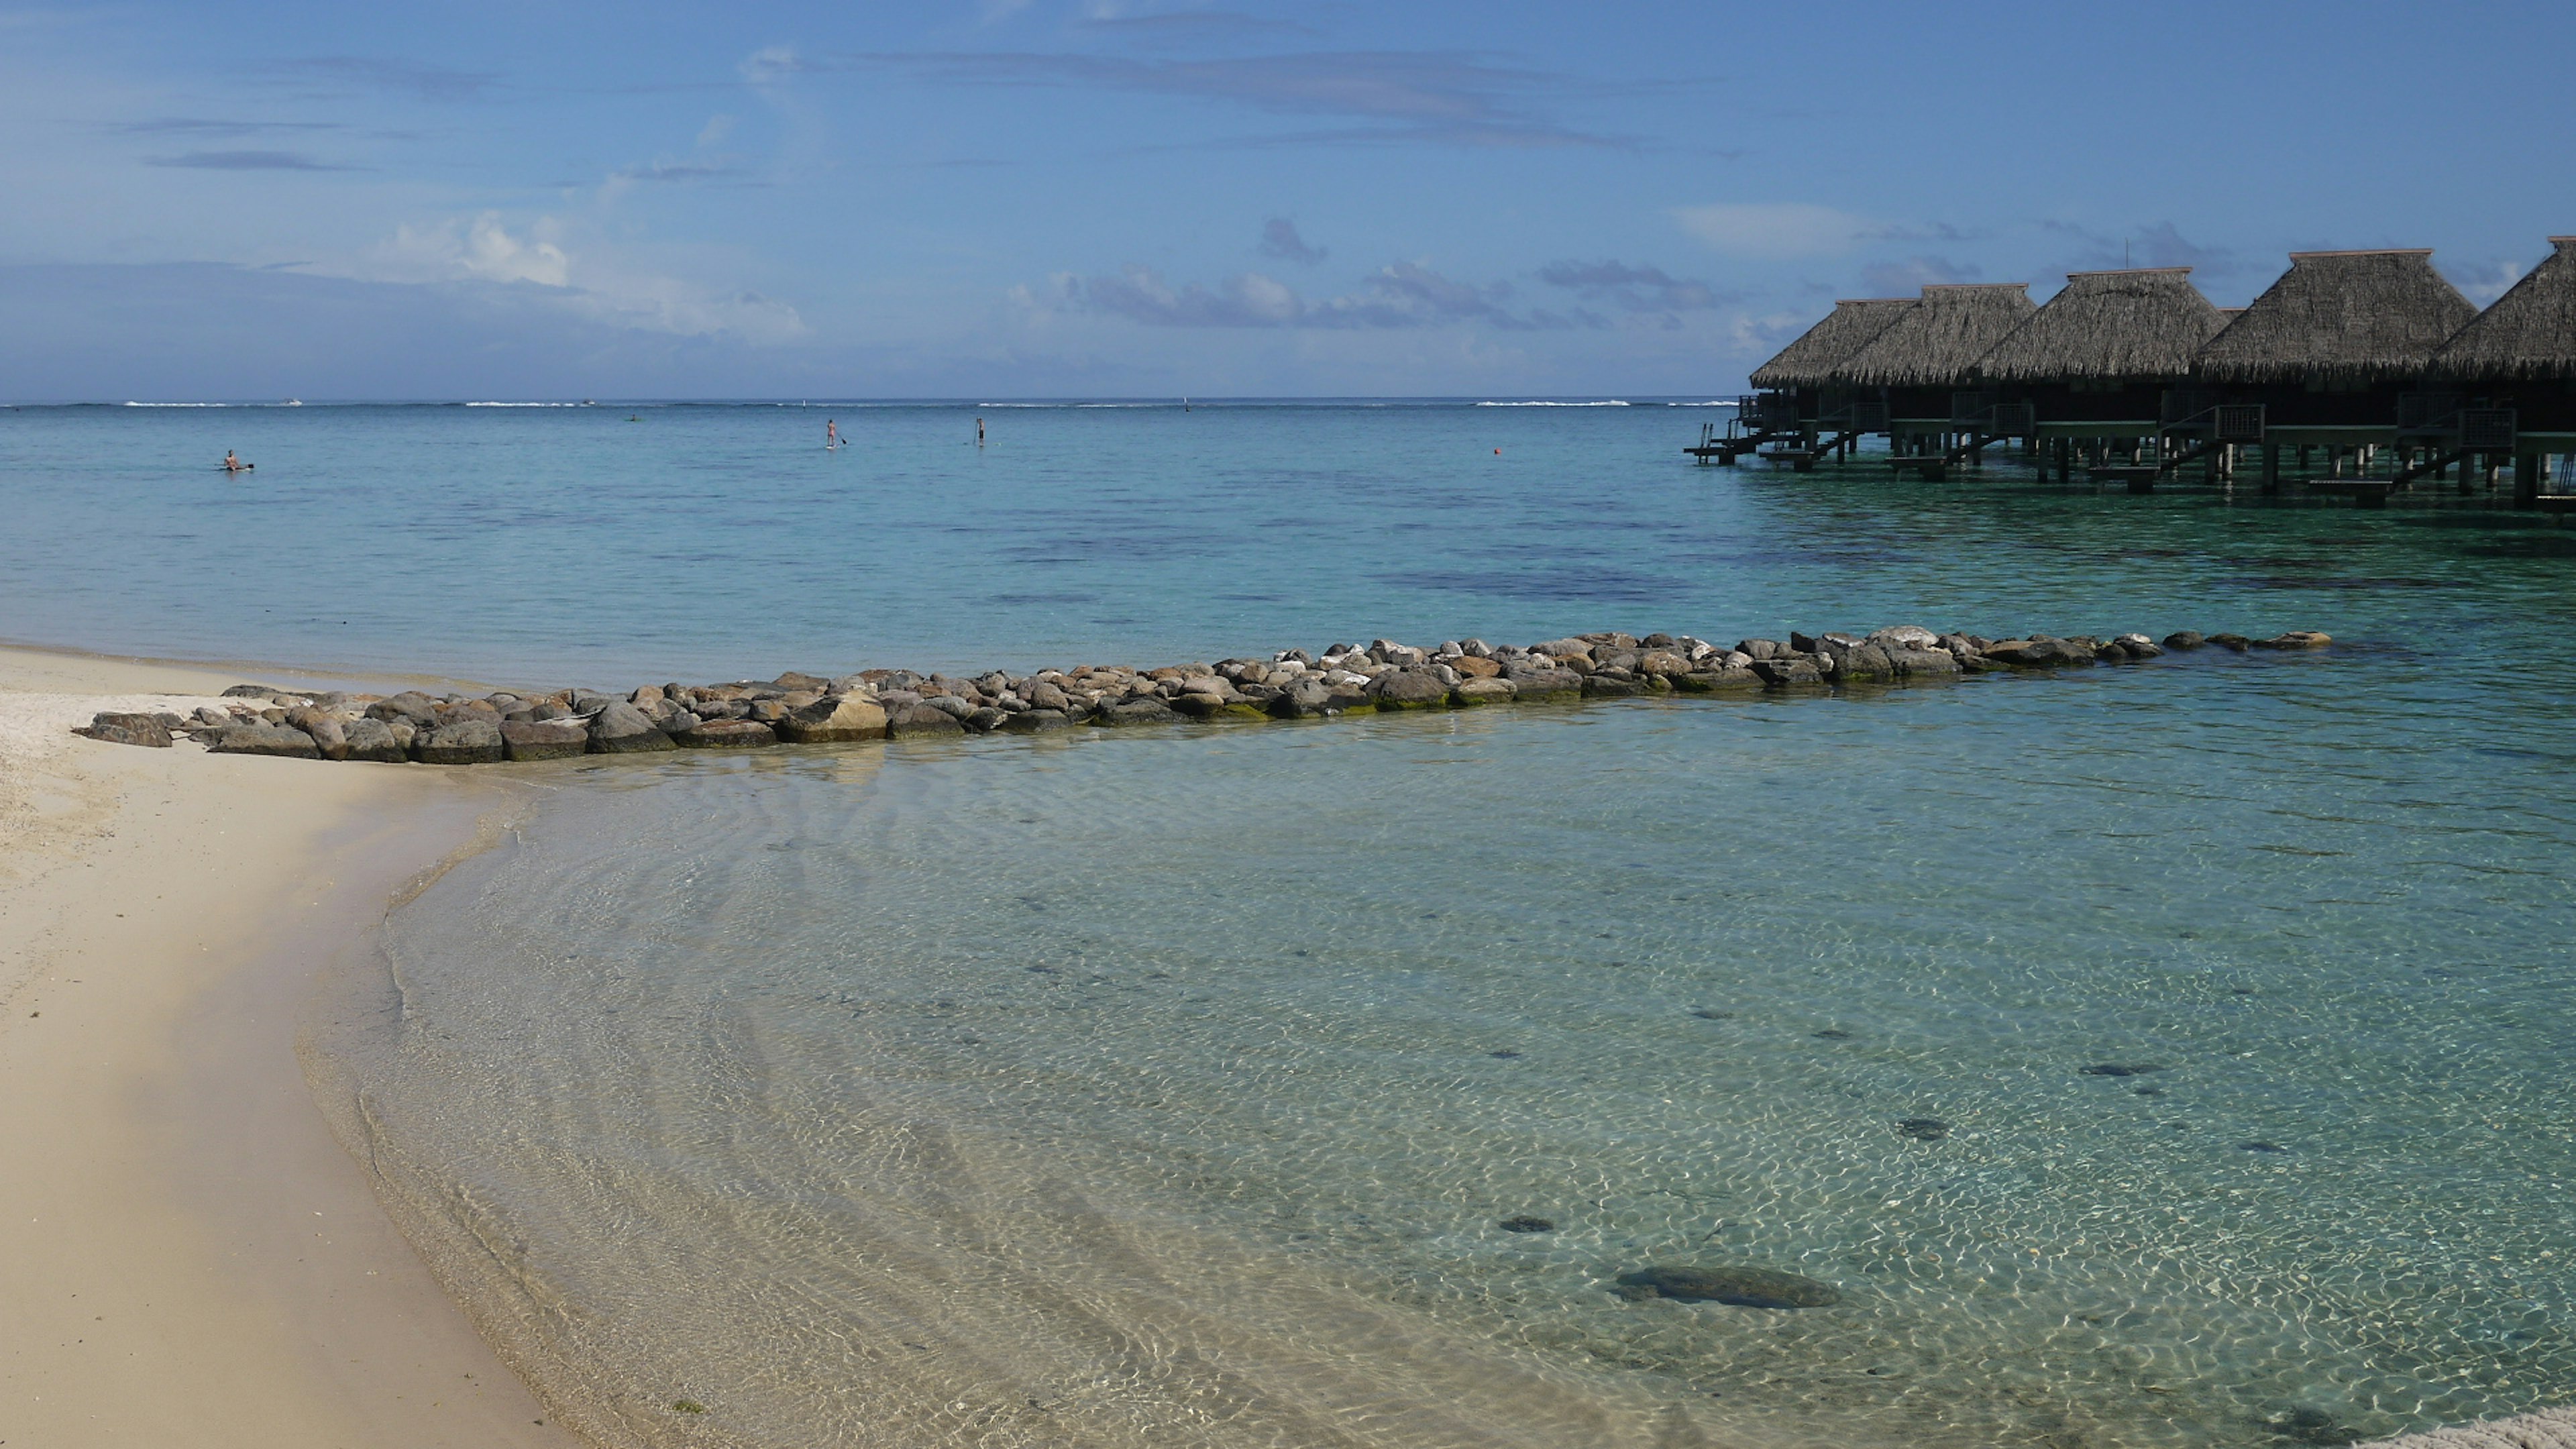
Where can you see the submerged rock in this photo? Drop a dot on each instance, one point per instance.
(1526, 1225)
(2114, 1069)
(1736, 1287)
(915, 721)
(1923, 1129)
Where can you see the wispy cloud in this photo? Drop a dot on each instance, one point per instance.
(2483, 282)
(376, 73)
(1187, 28)
(1773, 230)
(2156, 244)
(1398, 295)
(1424, 96)
(211, 127)
(1895, 279)
(1631, 289)
(593, 284)
(245, 161)
(1279, 239)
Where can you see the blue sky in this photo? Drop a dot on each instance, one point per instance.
(1119, 197)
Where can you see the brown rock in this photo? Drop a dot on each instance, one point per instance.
(544, 739)
(129, 729)
(833, 719)
(727, 734)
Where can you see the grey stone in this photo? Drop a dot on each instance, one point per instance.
(986, 720)
(117, 728)
(330, 733)
(1409, 689)
(622, 729)
(2185, 639)
(265, 739)
(1918, 663)
(470, 741)
(916, 721)
(1603, 685)
(1144, 711)
(411, 704)
(1483, 690)
(1904, 636)
(1783, 672)
(543, 740)
(1032, 721)
(374, 739)
(1537, 683)
(727, 734)
(249, 691)
(834, 719)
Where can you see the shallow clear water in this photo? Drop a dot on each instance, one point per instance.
(1144, 1089)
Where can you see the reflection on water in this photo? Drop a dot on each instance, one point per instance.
(1175, 1089)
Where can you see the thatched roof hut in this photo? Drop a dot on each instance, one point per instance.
(2528, 333)
(2140, 325)
(2341, 318)
(1809, 360)
(1937, 341)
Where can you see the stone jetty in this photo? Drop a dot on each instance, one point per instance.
(455, 729)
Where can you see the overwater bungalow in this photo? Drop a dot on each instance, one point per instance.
(2519, 355)
(1800, 382)
(2096, 361)
(1930, 352)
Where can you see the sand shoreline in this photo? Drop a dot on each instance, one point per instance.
(187, 1255)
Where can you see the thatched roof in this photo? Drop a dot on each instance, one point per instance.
(1937, 341)
(2341, 317)
(2121, 326)
(2529, 332)
(1852, 325)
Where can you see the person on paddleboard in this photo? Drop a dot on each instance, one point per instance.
(233, 464)
(831, 434)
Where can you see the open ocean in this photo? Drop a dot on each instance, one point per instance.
(1171, 1088)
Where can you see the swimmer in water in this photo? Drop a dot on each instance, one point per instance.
(233, 464)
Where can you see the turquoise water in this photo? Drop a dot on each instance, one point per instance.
(1151, 1088)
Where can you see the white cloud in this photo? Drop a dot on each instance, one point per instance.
(1773, 230)
(592, 283)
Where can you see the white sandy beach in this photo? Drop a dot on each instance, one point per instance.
(187, 1256)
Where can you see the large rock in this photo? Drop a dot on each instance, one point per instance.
(622, 729)
(410, 705)
(1708, 681)
(1737, 1287)
(543, 739)
(727, 734)
(1919, 663)
(249, 691)
(265, 739)
(2039, 653)
(1859, 663)
(1474, 666)
(1782, 671)
(1198, 704)
(118, 728)
(1604, 686)
(833, 719)
(1904, 636)
(470, 741)
(374, 739)
(1145, 711)
(1033, 721)
(1409, 689)
(1538, 683)
(916, 721)
(1301, 698)
(1482, 689)
(330, 733)
(2296, 639)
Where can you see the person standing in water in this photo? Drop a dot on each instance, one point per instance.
(831, 435)
(979, 432)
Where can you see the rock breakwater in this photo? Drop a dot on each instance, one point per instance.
(457, 729)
